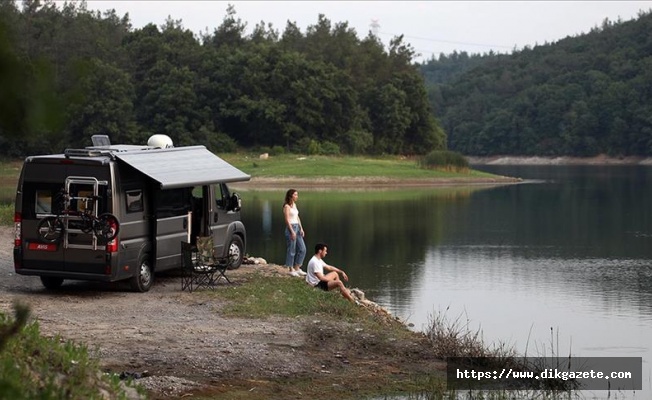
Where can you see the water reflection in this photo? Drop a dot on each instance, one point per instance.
(560, 263)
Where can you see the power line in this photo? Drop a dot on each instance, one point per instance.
(450, 41)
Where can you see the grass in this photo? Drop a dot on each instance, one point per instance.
(36, 367)
(292, 165)
(454, 341)
(454, 338)
(9, 172)
(261, 296)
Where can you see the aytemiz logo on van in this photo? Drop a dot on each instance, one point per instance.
(42, 246)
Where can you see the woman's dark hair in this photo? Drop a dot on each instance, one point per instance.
(288, 195)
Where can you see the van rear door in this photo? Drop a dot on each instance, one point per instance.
(74, 256)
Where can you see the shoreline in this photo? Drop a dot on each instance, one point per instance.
(599, 160)
(369, 183)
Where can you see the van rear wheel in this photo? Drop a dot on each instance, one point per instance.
(143, 280)
(236, 252)
(51, 282)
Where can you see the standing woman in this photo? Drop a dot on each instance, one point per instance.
(296, 247)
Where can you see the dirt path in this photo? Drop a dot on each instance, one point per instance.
(183, 344)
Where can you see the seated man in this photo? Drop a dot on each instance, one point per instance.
(331, 280)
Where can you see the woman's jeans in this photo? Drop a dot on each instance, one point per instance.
(296, 251)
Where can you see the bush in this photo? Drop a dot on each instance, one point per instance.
(329, 149)
(34, 367)
(445, 160)
(221, 143)
(323, 148)
(277, 150)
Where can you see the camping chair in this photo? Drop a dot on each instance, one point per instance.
(201, 269)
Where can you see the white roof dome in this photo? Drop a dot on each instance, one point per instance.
(159, 140)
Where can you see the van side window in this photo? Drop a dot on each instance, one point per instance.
(134, 200)
(221, 196)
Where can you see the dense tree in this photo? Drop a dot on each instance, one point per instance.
(322, 90)
(580, 96)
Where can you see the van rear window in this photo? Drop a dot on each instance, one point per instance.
(42, 199)
(43, 204)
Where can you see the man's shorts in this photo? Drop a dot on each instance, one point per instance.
(323, 285)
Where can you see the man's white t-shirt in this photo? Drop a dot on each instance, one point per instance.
(315, 265)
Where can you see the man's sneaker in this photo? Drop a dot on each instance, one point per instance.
(294, 273)
(301, 273)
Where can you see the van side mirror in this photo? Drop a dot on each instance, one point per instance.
(235, 203)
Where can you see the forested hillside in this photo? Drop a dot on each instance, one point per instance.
(581, 96)
(67, 73)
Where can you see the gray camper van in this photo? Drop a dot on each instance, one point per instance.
(159, 197)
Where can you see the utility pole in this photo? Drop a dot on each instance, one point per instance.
(375, 26)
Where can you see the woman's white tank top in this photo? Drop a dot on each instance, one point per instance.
(294, 214)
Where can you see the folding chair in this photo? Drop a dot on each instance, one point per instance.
(201, 269)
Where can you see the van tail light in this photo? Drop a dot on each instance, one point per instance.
(112, 246)
(18, 223)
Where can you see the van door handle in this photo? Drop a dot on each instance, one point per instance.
(215, 217)
(185, 223)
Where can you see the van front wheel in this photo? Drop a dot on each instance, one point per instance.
(236, 252)
(51, 282)
(143, 280)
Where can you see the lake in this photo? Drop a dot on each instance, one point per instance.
(559, 264)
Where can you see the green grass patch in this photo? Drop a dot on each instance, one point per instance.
(264, 296)
(6, 214)
(9, 173)
(292, 165)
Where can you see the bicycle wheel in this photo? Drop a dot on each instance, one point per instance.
(107, 226)
(49, 229)
(87, 223)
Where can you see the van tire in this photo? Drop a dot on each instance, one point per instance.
(51, 282)
(236, 252)
(143, 280)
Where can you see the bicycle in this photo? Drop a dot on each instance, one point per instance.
(106, 226)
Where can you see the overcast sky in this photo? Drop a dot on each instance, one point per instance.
(431, 27)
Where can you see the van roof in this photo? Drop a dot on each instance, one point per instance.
(171, 167)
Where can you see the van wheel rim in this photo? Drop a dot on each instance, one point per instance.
(234, 252)
(145, 274)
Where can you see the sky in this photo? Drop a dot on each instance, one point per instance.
(431, 27)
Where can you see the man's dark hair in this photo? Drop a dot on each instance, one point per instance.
(320, 246)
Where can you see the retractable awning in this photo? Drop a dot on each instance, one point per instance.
(182, 166)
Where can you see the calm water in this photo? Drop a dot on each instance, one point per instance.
(559, 264)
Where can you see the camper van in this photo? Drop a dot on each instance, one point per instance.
(120, 212)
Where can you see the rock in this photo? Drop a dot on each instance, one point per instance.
(264, 156)
(254, 261)
(357, 294)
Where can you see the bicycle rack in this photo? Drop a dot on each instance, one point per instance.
(81, 180)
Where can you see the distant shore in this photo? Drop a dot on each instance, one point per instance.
(536, 160)
(369, 182)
